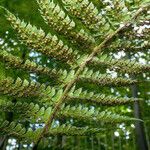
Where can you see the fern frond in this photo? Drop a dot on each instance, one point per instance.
(48, 44)
(33, 113)
(51, 103)
(73, 131)
(55, 16)
(127, 43)
(12, 129)
(81, 95)
(96, 50)
(28, 111)
(91, 115)
(103, 79)
(17, 130)
(62, 76)
(86, 11)
(19, 88)
(120, 65)
(22, 88)
(27, 65)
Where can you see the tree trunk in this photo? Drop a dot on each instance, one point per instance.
(3, 141)
(139, 126)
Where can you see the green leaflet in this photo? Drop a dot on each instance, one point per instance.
(19, 88)
(92, 115)
(84, 96)
(72, 130)
(16, 62)
(26, 89)
(49, 45)
(54, 15)
(12, 128)
(103, 79)
(17, 130)
(120, 65)
(28, 111)
(86, 11)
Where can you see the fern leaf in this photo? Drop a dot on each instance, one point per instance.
(121, 65)
(86, 11)
(16, 62)
(47, 44)
(54, 15)
(72, 130)
(12, 129)
(23, 88)
(19, 88)
(62, 76)
(90, 97)
(17, 130)
(103, 79)
(91, 115)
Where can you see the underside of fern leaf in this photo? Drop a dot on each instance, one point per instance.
(82, 37)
